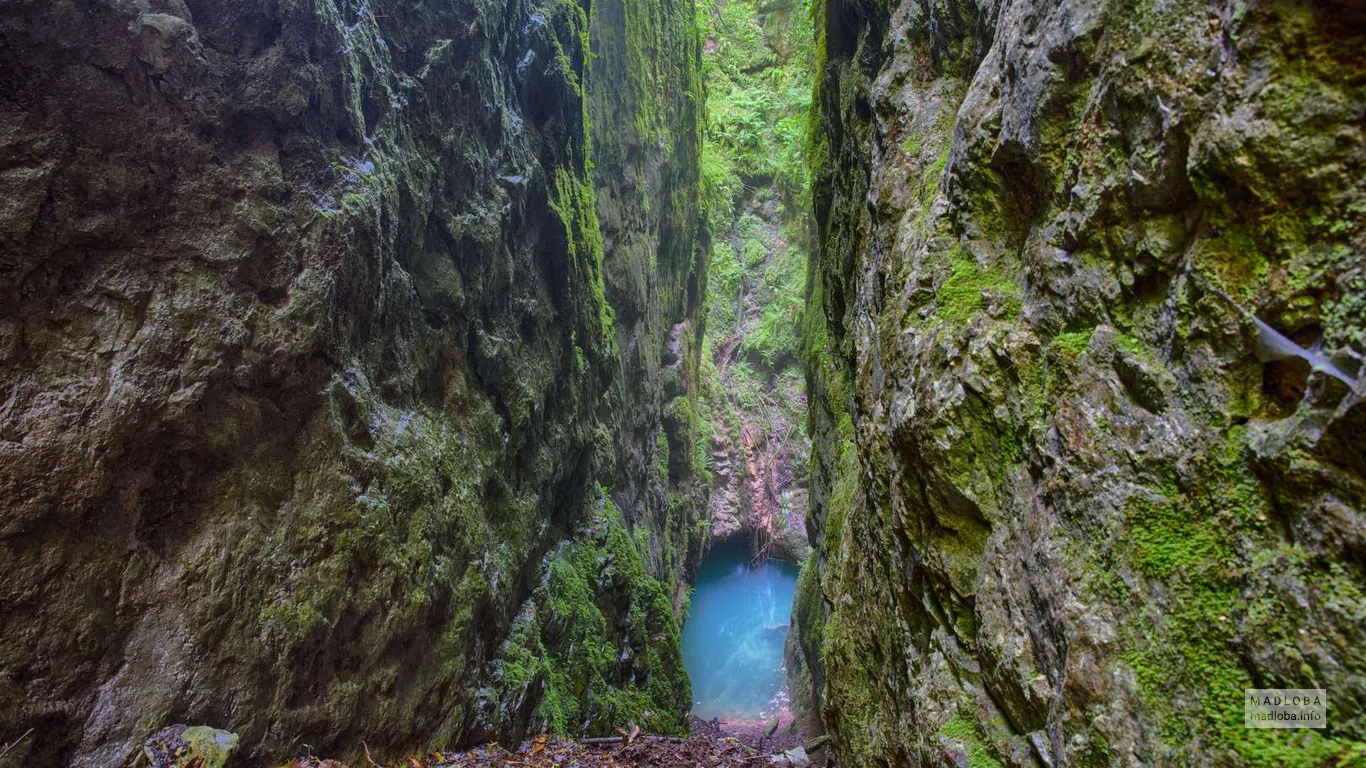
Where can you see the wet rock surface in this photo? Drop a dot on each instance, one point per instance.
(309, 358)
(1063, 513)
(182, 746)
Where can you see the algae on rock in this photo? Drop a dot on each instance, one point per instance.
(757, 199)
(596, 646)
(317, 339)
(1062, 514)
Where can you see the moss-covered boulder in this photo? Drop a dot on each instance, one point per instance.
(196, 746)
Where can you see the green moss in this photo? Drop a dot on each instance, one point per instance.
(292, 618)
(935, 172)
(815, 350)
(414, 523)
(1132, 345)
(1344, 316)
(961, 296)
(969, 734)
(846, 477)
(807, 605)
(1073, 343)
(600, 638)
(662, 42)
(1192, 677)
(1170, 538)
(1106, 584)
(856, 689)
(574, 202)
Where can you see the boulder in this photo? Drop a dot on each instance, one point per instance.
(190, 746)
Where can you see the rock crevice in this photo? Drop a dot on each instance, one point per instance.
(1062, 512)
(319, 334)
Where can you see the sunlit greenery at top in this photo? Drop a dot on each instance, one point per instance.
(758, 70)
(757, 61)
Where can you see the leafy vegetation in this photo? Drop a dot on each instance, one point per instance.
(756, 189)
(564, 641)
(757, 67)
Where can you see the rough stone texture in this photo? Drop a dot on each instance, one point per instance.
(596, 645)
(752, 400)
(189, 746)
(306, 359)
(648, 71)
(1063, 512)
(595, 648)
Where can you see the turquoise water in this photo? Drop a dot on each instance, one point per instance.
(733, 637)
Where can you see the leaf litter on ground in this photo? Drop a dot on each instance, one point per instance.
(696, 751)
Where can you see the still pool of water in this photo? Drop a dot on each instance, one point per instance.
(733, 637)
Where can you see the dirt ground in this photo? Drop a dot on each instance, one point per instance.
(751, 732)
(714, 744)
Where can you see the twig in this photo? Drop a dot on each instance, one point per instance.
(368, 757)
(619, 739)
(6, 750)
(740, 744)
(817, 743)
(601, 740)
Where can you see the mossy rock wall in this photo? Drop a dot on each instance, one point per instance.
(648, 113)
(1063, 514)
(595, 647)
(314, 347)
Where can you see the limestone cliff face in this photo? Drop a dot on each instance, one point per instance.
(1063, 513)
(647, 110)
(311, 372)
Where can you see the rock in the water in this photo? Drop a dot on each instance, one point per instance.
(190, 746)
